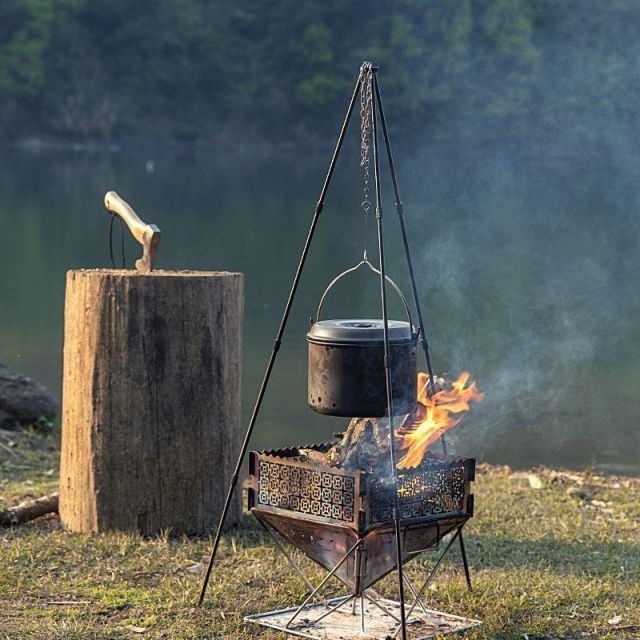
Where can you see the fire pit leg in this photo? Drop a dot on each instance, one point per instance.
(465, 563)
(418, 600)
(290, 560)
(377, 604)
(324, 581)
(334, 608)
(428, 580)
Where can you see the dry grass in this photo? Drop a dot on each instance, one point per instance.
(557, 562)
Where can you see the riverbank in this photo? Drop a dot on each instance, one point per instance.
(606, 147)
(554, 555)
(47, 144)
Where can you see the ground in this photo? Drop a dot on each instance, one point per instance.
(554, 555)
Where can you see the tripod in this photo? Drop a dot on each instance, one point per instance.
(366, 87)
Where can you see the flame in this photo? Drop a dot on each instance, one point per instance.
(433, 416)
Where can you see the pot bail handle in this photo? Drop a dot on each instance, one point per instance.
(396, 288)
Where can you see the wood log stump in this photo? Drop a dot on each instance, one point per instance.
(151, 400)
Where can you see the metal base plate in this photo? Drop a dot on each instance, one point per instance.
(344, 624)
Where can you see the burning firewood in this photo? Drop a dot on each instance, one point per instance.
(365, 443)
(434, 416)
(314, 456)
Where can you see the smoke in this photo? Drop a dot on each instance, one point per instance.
(526, 227)
(529, 264)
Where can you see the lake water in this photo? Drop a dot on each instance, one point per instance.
(528, 267)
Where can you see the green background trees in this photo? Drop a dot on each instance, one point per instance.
(267, 69)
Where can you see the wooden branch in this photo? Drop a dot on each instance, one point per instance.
(29, 510)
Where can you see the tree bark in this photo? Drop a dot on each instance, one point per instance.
(151, 400)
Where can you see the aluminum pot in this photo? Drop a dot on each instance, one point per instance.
(346, 367)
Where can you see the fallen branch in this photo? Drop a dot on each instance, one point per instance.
(10, 451)
(29, 510)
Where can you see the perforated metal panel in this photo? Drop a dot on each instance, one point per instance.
(431, 489)
(306, 491)
(282, 480)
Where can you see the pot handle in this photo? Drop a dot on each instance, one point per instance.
(396, 288)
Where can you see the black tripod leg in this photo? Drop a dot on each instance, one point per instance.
(405, 240)
(465, 563)
(278, 340)
(387, 369)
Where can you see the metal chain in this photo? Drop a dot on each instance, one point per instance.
(366, 109)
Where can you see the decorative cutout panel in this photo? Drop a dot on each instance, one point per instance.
(306, 491)
(282, 481)
(422, 492)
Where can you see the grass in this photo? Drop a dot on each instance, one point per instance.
(556, 562)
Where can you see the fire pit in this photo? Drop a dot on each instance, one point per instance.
(342, 519)
(326, 511)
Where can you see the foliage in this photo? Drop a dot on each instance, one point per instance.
(282, 69)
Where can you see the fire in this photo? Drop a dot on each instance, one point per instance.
(433, 416)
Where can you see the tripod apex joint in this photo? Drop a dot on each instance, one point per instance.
(369, 64)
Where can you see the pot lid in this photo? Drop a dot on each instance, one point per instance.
(359, 330)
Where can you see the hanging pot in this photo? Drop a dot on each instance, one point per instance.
(346, 364)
